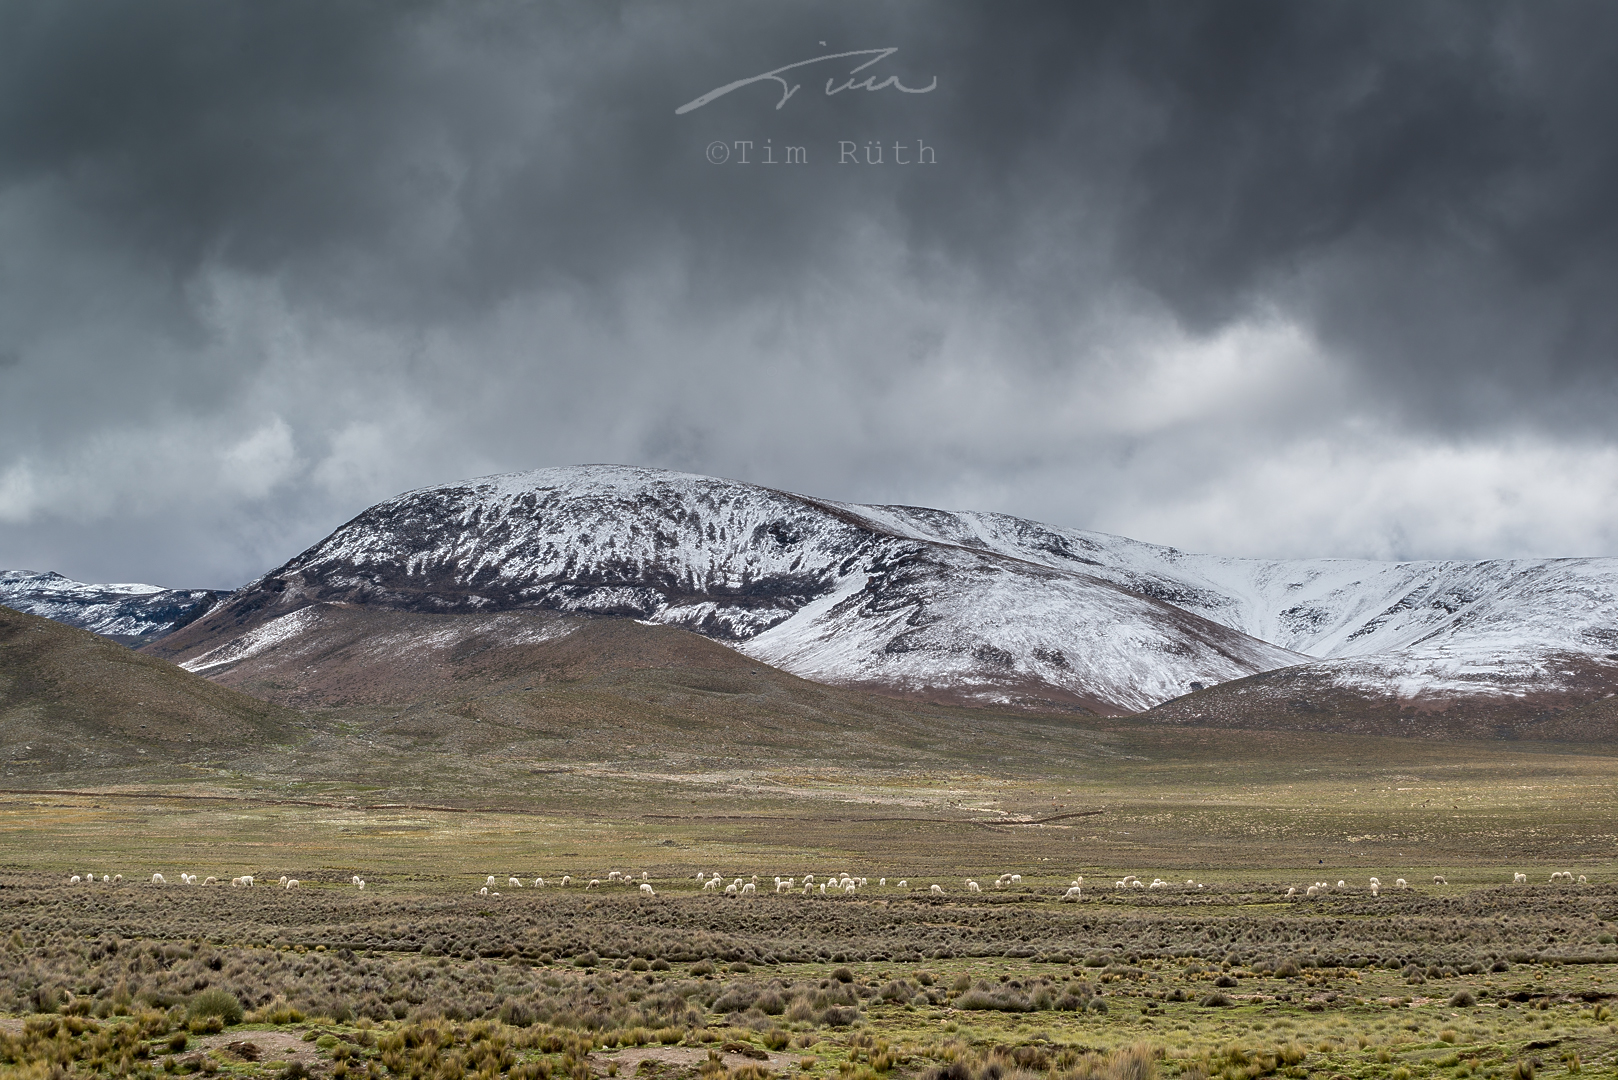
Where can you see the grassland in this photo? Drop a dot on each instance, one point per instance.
(419, 976)
(414, 979)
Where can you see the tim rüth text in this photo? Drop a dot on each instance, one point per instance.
(747, 152)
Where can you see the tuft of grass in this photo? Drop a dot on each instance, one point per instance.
(216, 1003)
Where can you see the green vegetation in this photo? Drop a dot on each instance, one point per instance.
(138, 979)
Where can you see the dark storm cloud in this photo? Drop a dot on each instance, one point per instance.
(371, 243)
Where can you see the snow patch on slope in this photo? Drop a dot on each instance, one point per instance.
(255, 641)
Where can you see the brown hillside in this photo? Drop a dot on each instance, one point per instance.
(1304, 699)
(540, 686)
(72, 700)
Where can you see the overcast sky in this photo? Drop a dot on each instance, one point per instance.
(1270, 279)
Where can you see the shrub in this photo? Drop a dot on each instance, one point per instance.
(999, 1000)
(1216, 1000)
(215, 1001)
(1463, 999)
(839, 1017)
(843, 975)
(517, 1013)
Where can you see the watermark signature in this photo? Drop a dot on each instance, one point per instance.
(848, 153)
(788, 89)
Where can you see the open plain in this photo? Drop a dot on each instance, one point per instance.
(1214, 972)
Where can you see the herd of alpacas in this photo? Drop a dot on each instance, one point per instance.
(833, 885)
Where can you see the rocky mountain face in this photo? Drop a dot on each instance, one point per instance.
(132, 614)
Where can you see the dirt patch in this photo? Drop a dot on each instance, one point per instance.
(685, 1057)
(286, 1046)
(11, 1024)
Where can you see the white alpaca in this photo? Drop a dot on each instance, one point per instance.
(566, 878)
(362, 885)
(539, 883)
(74, 880)
(808, 887)
(646, 890)
(936, 890)
(236, 883)
(1313, 890)
(594, 883)
(211, 881)
(1291, 892)
(749, 889)
(1440, 879)
(1016, 879)
(1342, 884)
(882, 881)
(157, 879)
(514, 883)
(850, 888)
(489, 880)
(283, 881)
(712, 884)
(1399, 883)
(293, 883)
(782, 886)
(903, 884)
(822, 888)
(247, 880)
(117, 878)
(1073, 893)
(483, 891)
(1375, 883)
(1519, 879)
(730, 890)
(1583, 880)
(972, 886)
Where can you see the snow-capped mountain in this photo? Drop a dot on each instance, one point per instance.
(967, 606)
(1419, 631)
(836, 593)
(125, 612)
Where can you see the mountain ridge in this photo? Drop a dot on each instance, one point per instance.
(131, 614)
(870, 606)
(959, 607)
